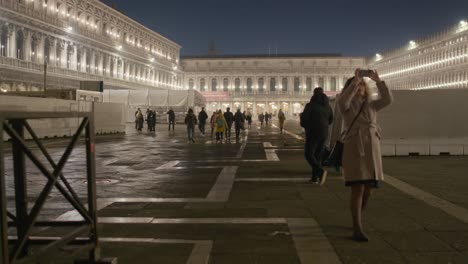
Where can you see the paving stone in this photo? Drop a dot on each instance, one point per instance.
(436, 257)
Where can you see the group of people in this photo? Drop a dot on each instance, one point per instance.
(265, 117)
(361, 156)
(149, 116)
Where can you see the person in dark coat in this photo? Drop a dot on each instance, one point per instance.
(152, 121)
(317, 116)
(171, 116)
(202, 117)
(261, 117)
(238, 122)
(267, 118)
(248, 117)
(229, 117)
(190, 121)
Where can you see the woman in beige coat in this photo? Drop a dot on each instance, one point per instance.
(362, 160)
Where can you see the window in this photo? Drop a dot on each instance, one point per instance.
(296, 84)
(191, 84)
(4, 41)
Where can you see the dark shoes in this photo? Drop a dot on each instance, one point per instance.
(320, 180)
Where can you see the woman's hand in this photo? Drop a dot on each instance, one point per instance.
(375, 76)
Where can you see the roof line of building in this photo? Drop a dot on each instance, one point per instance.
(266, 56)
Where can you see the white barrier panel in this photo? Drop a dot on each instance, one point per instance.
(108, 117)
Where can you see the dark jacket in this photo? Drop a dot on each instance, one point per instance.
(171, 115)
(202, 117)
(229, 118)
(319, 117)
(238, 118)
(190, 120)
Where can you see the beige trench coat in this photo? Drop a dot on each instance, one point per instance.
(362, 158)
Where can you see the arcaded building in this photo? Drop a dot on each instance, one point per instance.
(81, 40)
(266, 83)
(438, 61)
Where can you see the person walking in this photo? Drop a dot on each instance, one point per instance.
(212, 123)
(220, 126)
(190, 121)
(249, 119)
(238, 123)
(229, 117)
(261, 117)
(316, 118)
(202, 117)
(281, 118)
(267, 118)
(362, 157)
(171, 118)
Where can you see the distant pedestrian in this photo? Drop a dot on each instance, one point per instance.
(316, 119)
(229, 117)
(220, 126)
(238, 123)
(190, 121)
(212, 122)
(362, 157)
(261, 117)
(147, 118)
(267, 118)
(140, 120)
(136, 118)
(249, 119)
(171, 119)
(202, 117)
(281, 118)
(152, 121)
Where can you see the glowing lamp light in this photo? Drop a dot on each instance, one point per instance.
(378, 57)
(69, 29)
(412, 45)
(119, 47)
(152, 59)
(463, 23)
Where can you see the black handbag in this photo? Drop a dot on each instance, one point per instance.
(335, 159)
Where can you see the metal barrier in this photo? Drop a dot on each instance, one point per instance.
(17, 249)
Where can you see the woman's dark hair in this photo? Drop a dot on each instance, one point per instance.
(348, 82)
(190, 110)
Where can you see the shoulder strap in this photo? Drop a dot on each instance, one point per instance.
(355, 118)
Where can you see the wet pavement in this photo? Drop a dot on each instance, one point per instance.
(163, 200)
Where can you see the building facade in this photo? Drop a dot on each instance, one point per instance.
(262, 83)
(438, 61)
(81, 40)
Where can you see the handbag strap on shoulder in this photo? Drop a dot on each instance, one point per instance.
(355, 118)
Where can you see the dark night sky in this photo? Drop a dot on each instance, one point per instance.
(353, 28)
